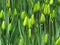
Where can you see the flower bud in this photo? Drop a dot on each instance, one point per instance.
(9, 26)
(32, 19)
(46, 38)
(46, 1)
(29, 33)
(25, 23)
(1, 14)
(3, 25)
(37, 7)
(42, 19)
(29, 23)
(58, 41)
(8, 3)
(15, 12)
(23, 14)
(52, 15)
(9, 12)
(21, 41)
(51, 2)
(59, 1)
(47, 9)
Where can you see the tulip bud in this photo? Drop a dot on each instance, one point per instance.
(21, 41)
(9, 26)
(9, 12)
(47, 9)
(32, 19)
(42, 19)
(51, 2)
(25, 23)
(8, 3)
(37, 7)
(29, 23)
(58, 41)
(46, 38)
(29, 33)
(53, 14)
(59, 1)
(46, 1)
(23, 14)
(15, 12)
(1, 14)
(3, 25)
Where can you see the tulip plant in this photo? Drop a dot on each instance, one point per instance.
(29, 22)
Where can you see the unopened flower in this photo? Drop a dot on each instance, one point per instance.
(3, 25)
(42, 19)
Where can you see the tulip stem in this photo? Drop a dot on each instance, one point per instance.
(54, 26)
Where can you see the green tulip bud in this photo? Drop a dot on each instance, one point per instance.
(58, 1)
(29, 33)
(9, 26)
(9, 12)
(8, 3)
(1, 14)
(51, 2)
(46, 38)
(23, 14)
(46, 1)
(37, 7)
(47, 9)
(25, 23)
(21, 41)
(3, 25)
(32, 19)
(29, 23)
(53, 14)
(58, 41)
(42, 19)
(15, 12)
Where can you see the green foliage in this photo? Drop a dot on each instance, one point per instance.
(30, 22)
